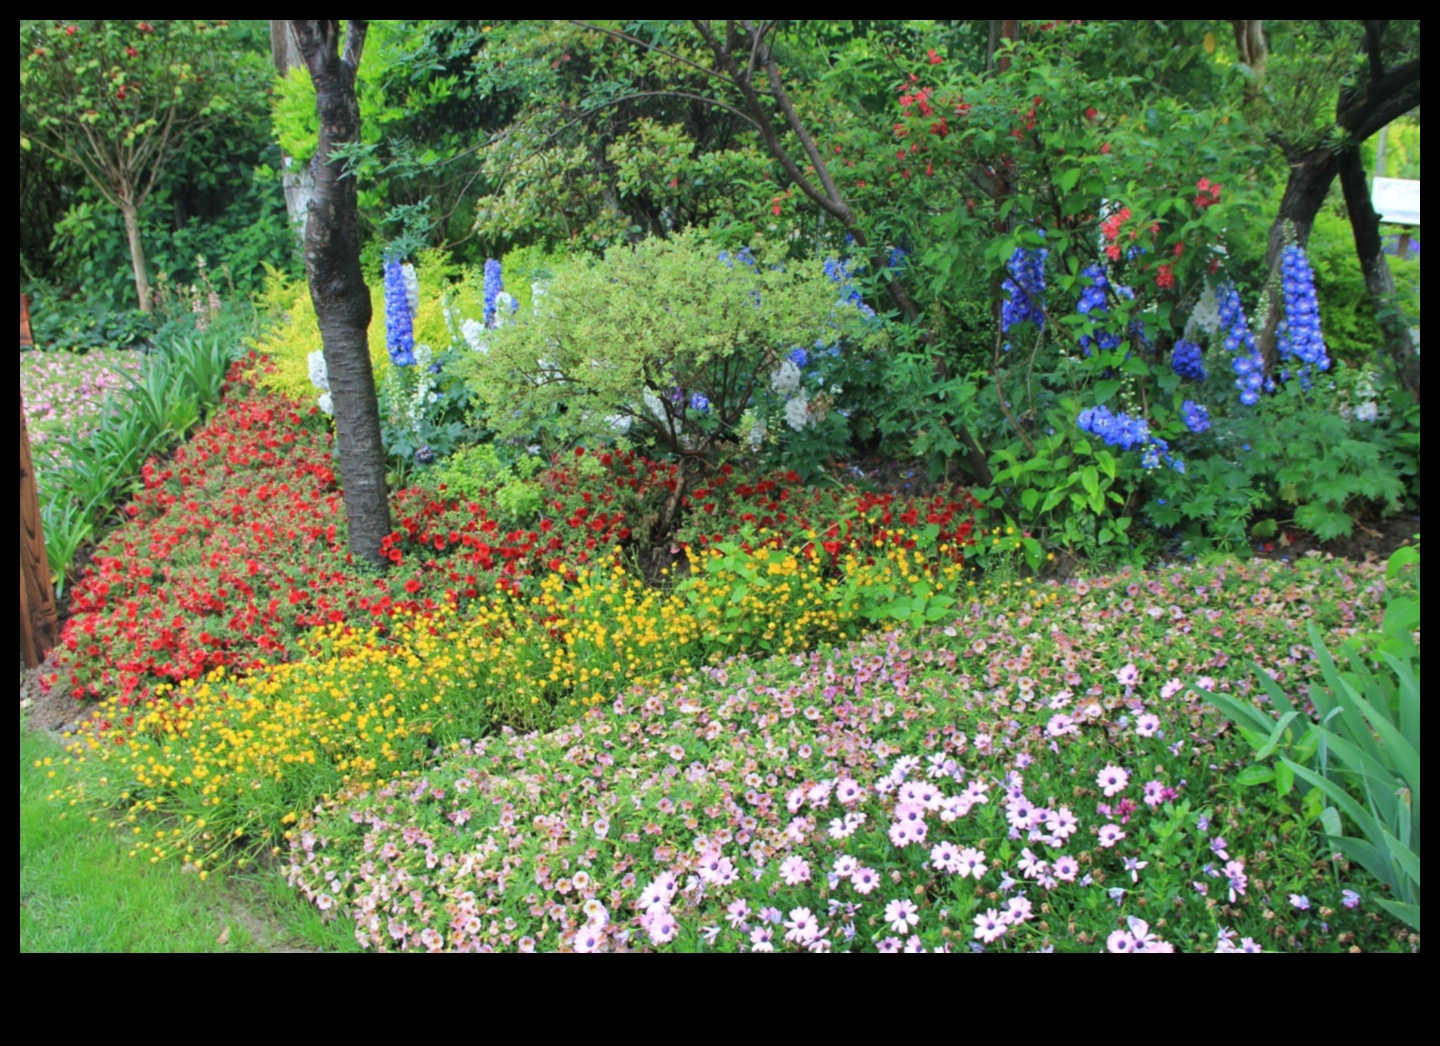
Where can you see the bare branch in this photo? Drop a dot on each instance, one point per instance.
(1390, 97)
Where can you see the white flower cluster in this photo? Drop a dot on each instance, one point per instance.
(412, 286)
(1206, 314)
(1366, 400)
(785, 381)
(505, 308)
(425, 388)
(473, 331)
(797, 412)
(320, 378)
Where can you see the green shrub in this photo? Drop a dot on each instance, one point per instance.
(668, 340)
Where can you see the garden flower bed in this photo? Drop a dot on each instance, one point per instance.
(236, 547)
(1028, 766)
(1038, 774)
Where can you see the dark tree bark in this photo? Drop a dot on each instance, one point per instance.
(1365, 224)
(337, 285)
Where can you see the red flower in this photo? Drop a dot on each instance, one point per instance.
(933, 58)
(1091, 113)
(1209, 194)
(1165, 277)
(70, 30)
(412, 586)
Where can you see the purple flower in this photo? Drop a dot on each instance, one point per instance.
(1350, 899)
(1112, 779)
(1235, 873)
(493, 285)
(1110, 834)
(1120, 942)
(1186, 361)
(1196, 417)
(795, 870)
(901, 914)
(802, 926)
(399, 325)
(1300, 902)
(865, 879)
(989, 926)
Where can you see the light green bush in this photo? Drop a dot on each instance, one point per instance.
(670, 340)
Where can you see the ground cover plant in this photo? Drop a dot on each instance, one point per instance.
(64, 395)
(1040, 773)
(148, 402)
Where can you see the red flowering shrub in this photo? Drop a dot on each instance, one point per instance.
(236, 547)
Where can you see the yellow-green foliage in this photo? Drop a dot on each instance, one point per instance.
(442, 285)
(663, 314)
(295, 333)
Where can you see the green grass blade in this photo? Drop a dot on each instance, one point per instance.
(1378, 779)
(1409, 914)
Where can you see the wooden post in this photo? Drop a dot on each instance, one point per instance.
(38, 623)
(25, 339)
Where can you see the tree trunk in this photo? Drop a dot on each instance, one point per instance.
(1311, 174)
(38, 625)
(1365, 224)
(131, 214)
(296, 179)
(337, 286)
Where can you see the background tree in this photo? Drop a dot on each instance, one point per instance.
(296, 177)
(1329, 86)
(337, 283)
(118, 99)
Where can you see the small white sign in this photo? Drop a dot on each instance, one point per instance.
(1397, 200)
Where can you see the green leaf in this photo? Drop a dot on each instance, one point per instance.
(1273, 741)
(1241, 713)
(1405, 858)
(1409, 914)
(1107, 462)
(1284, 779)
(1379, 780)
(1329, 818)
(1254, 775)
(1105, 389)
